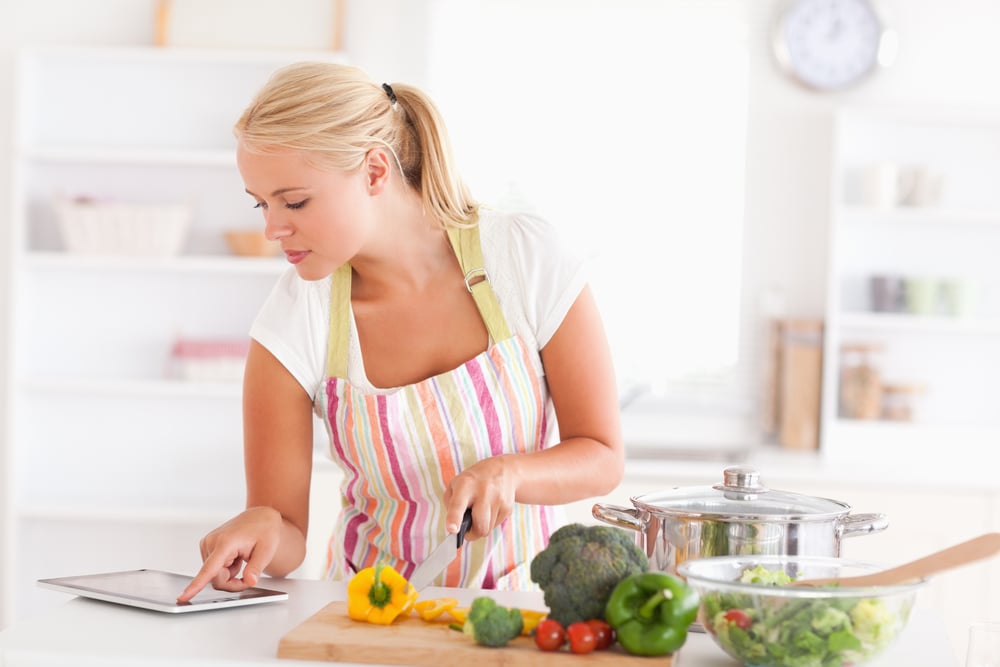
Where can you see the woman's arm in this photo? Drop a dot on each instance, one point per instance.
(270, 535)
(589, 459)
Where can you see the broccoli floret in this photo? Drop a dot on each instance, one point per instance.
(491, 624)
(828, 620)
(873, 623)
(580, 568)
(761, 575)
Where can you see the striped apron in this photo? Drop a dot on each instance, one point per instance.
(399, 451)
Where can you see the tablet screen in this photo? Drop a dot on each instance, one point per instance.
(155, 589)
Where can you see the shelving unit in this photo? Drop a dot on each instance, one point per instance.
(113, 463)
(948, 240)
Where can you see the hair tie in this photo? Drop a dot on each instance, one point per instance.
(392, 95)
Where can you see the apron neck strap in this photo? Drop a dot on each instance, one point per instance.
(465, 241)
(340, 322)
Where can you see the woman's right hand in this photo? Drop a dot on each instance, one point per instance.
(248, 541)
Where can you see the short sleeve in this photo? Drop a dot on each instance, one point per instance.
(293, 325)
(545, 273)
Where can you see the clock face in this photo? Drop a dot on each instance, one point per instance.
(829, 44)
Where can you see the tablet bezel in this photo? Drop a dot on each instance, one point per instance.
(115, 587)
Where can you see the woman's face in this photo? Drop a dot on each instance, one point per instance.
(321, 218)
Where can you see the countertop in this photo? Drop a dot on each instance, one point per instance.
(85, 633)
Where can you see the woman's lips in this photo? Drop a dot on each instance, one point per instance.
(296, 256)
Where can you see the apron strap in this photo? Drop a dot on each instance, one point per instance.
(465, 241)
(340, 322)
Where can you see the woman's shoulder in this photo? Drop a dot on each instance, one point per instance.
(517, 233)
(292, 293)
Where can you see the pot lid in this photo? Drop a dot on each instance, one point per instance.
(741, 495)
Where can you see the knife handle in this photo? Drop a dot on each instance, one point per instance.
(466, 525)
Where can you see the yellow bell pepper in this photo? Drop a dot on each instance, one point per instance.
(431, 609)
(531, 619)
(459, 614)
(379, 594)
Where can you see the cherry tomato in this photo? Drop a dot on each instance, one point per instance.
(739, 618)
(581, 637)
(549, 635)
(604, 634)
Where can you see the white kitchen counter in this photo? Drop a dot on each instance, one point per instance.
(940, 473)
(85, 633)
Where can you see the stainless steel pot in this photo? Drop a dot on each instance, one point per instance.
(740, 516)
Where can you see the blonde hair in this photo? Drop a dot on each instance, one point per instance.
(335, 114)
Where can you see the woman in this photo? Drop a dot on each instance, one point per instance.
(439, 341)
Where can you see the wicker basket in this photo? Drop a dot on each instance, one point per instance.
(100, 228)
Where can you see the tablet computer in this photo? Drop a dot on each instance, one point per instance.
(156, 590)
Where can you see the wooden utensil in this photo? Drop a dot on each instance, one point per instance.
(964, 553)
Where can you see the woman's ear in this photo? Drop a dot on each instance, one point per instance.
(378, 168)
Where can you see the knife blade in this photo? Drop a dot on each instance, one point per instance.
(441, 556)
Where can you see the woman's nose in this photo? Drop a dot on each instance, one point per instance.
(275, 228)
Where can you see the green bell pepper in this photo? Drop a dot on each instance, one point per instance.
(651, 612)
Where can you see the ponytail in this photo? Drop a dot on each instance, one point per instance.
(428, 162)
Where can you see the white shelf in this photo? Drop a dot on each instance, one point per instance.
(181, 55)
(136, 156)
(227, 264)
(143, 515)
(916, 324)
(920, 216)
(956, 358)
(92, 333)
(117, 388)
(887, 441)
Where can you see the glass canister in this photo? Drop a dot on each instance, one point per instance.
(900, 401)
(860, 381)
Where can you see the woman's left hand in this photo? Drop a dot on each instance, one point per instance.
(489, 488)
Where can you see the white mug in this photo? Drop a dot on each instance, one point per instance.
(919, 186)
(984, 645)
(880, 185)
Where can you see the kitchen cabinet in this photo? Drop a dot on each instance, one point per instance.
(114, 460)
(912, 349)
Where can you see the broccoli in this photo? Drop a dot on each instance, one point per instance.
(490, 624)
(580, 568)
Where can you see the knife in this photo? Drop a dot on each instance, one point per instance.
(441, 556)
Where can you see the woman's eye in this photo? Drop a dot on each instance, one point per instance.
(260, 204)
(298, 204)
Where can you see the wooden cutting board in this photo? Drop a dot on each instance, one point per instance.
(331, 635)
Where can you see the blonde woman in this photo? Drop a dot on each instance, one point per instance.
(455, 353)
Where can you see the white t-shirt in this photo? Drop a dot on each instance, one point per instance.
(535, 277)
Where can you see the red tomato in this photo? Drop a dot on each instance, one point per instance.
(739, 618)
(604, 634)
(581, 637)
(549, 635)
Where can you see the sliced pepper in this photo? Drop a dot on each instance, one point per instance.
(433, 608)
(651, 612)
(379, 594)
(459, 614)
(531, 619)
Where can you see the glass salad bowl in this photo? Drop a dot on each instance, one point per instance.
(756, 619)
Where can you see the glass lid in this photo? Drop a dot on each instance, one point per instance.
(740, 495)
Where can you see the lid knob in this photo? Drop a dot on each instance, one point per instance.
(741, 483)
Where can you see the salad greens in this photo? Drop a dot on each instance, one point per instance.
(798, 632)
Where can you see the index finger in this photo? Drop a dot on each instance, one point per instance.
(209, 569)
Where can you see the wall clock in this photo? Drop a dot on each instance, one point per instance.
(830, 45)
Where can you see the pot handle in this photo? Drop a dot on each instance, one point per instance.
(863, 524)
(623, 517)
